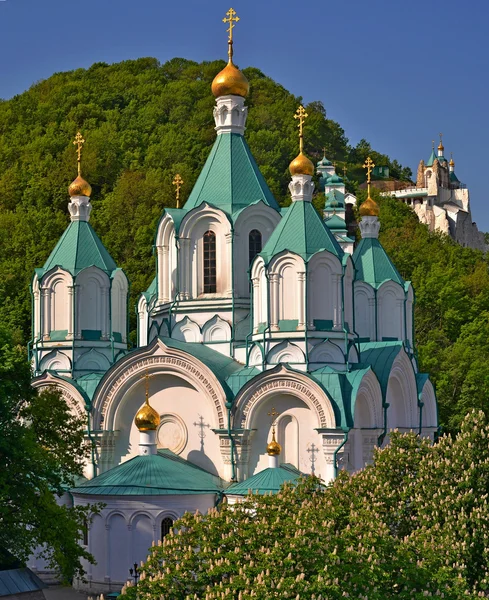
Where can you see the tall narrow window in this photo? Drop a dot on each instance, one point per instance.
(209, 262)
(166, 526)
(254, 240)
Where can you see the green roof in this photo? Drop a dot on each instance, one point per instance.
(334, 180)
(431, 159)
(266, 481)
(324, 162)
(453, 177)
(89, 383)
(380, 356)
(152, 289)
(230, 179)
(373, 264)
(78, 248)
(240, 378)
(301, 231)
(336, 223)
(159, 474)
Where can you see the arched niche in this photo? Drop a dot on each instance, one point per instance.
(326, 353)
(402, 396)
(187, 330)
(194, 225)
(348, 293)
(71, 394)
(364, 310)
(390, 311)
(260, 293)
(56, 361)
(287, 292)
(143, 319)
(285, 352)
(260, 217)
(57, 307)
(118, 536)
(167, 256)
(430, 408)
(91, 361)
(256, 356)
(142, 534)
(288, 438)
(324, 289)
(92, 301)
(216, 330)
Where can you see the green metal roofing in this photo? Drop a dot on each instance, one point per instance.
(380, 356)
(230, 179)
(89, 383)
(334, 199)
(334, 180)
(453, 177)
(159, 474)
(373, 265)
(431, 159)
(301, 231)
(336, 223)
(152, 289)
(266, 481)
(240, 378)
(79, 247)
(324, 162)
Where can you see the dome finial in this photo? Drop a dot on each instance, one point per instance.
(440, 145)
(301, 165)
(178, 182)
(369, 208)
(147, 419)
(230, 81)
(79, 187)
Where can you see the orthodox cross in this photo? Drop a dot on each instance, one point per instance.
(313, 450)
(334, 165)
(273, 413)
(177, 182)
(441, 138)
(369, 165)
(302, 116)
(232, 19)
(324, 152)
(202, 426)
(344, 171)
(433, 144)
(79, 141)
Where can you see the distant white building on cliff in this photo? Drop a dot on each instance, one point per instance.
(441, 201)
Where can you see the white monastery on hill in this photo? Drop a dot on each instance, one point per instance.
(259, 319)
(441, 201)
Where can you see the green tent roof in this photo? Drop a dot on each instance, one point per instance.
(324, 162)
(302, 231)
(159, 474)
(453, 177)
(266, 481)
(336, 223)
(373, 264)
(230, 179)
(431, 159)
(79, 247)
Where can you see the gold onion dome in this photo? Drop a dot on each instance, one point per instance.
(230, 81)
(80, 187)
(301, 165)
(274, 448)
(147, 419)
(369, 208)
(452, 162)
(441, 146)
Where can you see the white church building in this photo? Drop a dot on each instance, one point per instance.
(268, 347)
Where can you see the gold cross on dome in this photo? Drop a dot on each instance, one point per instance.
(79, 141)
(302, 116)
(232, 20)
(273, 413)
(344, 171)
(146, 377)
(369, 165)
(177, 182)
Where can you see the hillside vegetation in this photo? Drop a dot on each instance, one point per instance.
(143, 122)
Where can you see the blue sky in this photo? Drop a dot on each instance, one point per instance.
(394, 72)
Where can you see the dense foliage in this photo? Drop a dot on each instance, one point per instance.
(144, 122)
(414, 524)
(41, 453)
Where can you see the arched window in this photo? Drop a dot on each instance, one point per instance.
(166, 526)
(254, 244)
(210, 262)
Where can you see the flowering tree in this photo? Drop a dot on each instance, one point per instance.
(414, 524)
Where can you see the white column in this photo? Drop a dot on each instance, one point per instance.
(71, 310)
(46, 312)
(37, 315)
(332, 440)
(185, 268)
(272, 462)
(274, 301)
(371, 317)
(337, 309)
(256, 304)
(301, 276)
(400, 308)
(105, 326)
(226, 269)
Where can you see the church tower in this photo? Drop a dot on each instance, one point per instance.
(79, 296)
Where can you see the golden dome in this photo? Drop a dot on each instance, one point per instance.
(80, 187)
(452, 162)
(441, 146)
(230, 81)
(301, 165)
(369, 208)
(274, 448)
(147, 419)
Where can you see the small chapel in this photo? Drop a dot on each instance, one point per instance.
(268, 345)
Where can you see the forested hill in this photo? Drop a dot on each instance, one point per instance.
(143, 122)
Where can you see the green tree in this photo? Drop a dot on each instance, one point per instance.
(413, 524)
(41, 454)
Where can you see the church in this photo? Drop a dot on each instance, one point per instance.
(268, 346)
